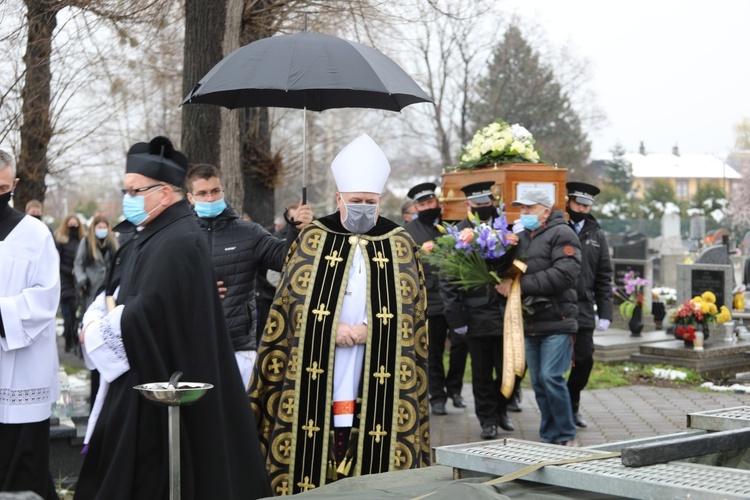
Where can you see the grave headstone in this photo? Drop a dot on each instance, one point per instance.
(694, 279)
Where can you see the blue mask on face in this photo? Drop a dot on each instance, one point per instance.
(133, 208)
(530, 221)
(101, 233)
(210, 209)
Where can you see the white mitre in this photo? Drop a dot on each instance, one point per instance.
(361, 167)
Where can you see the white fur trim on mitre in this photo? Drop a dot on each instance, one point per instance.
(361, 167)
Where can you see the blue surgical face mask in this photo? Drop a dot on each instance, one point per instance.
(133, 208)
(210, 209)
(360, 217)
(530, 221)
(101, 233)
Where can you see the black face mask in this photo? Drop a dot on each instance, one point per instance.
(429, 216)
(5, 199)
(576, 216)
(73, 232)
(484, 213)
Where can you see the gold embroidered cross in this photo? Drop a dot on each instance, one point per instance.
(406, 330)
(286, 447)
(378, 433)
(304, 279)
(314, 241)
(320, 312)
(400, 249)
(399, 458)
(381, 375)
(382, 261)
(405, 373)
(283, 488)
(288, 406)
(334, 258)
(293, 363)
(314, 370)
(403, 415)
(306, 485)
(310, 428)
(405, 288)
(271, 326)
(276, 366)
(384, 316)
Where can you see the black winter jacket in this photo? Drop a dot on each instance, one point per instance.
(67, 253)
(481, 309)
(238, 248)
(421, 233)
(595, 279)
(553, 256)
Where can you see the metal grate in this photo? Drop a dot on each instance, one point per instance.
(609, 476)
(725, 419)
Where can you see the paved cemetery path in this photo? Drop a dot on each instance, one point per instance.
(617, 414)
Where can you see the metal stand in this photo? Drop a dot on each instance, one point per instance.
(174, 394)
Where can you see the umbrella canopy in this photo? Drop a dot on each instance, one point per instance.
(307, 71)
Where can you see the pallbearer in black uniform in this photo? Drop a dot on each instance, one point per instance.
(340, 385)
(594, 289)
(479, 315)
(441, 387)
(168, 318)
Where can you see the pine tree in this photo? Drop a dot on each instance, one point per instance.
(520, 88)
(619, 171)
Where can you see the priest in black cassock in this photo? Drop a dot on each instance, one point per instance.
(168, 318)
(340, 384)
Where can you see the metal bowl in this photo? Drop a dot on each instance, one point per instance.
(184, 393)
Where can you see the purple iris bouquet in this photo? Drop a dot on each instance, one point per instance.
(475, 256)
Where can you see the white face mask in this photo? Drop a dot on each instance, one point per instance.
(360, 217)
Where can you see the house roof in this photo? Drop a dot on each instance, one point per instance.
(689, 166)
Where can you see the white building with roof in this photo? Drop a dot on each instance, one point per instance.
(686, 173)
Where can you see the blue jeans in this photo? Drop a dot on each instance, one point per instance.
(548, 357)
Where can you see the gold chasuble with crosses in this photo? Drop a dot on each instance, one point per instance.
(292, 387)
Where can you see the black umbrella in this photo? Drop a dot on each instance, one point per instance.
(307, 71)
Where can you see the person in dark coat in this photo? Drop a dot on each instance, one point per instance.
(67, 238)
(479, 315)
(237, 248)
(594, 289)
(552, 252)
(168, 318)
(441, 386)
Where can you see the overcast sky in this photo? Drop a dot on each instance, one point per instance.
(666, 72)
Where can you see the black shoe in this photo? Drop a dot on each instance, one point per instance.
(489, 431)
(438, 408)
(513, 405)
(458, 401)
(579, 420)
(505, 423)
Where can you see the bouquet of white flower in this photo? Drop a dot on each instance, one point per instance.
(499, 143)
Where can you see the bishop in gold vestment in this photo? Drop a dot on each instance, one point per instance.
(328, 409)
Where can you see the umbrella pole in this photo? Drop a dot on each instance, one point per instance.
(304, 156)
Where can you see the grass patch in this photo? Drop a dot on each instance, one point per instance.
(72, 370)
(607, 376)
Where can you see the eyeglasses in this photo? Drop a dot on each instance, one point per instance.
(134, 192)
(202, 195)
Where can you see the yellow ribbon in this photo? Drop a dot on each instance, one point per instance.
(514, 356)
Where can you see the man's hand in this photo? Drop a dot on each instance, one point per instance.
(503, 288)
(222, 289)
(347, 335)
(303, 215)
(603, 325)
(359, 334)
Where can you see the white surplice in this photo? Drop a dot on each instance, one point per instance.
(29, 298)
